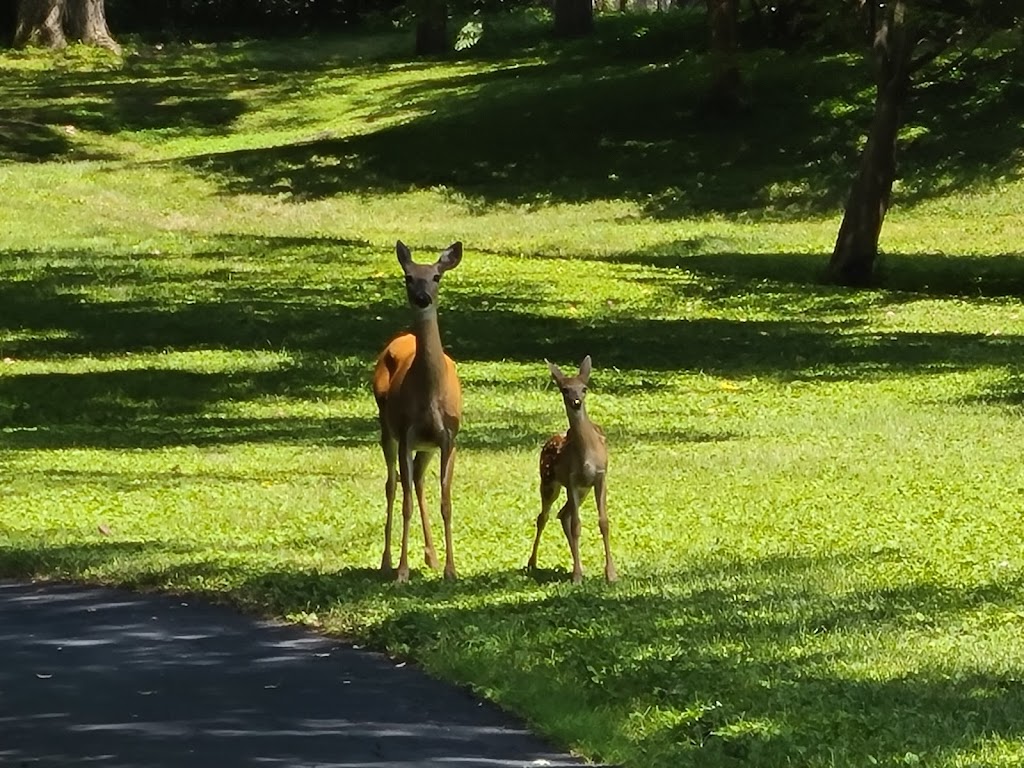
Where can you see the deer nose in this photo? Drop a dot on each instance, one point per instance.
(420, 299)
(576, 403)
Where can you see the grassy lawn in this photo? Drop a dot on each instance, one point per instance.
(815, 493)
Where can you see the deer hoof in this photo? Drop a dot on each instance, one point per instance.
(610, 575)
(385, 566)
(577, 578)
(431, 559)
(449, 572)
(402, 576)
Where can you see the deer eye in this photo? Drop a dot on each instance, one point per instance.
(565, 391)
(437, 278)
(584, 390)
(408, 279)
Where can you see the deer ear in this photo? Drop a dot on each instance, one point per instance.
(450, 256)
(556, 373)
(404, 254)
(584, 374)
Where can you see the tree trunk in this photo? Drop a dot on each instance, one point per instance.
(724, 94)
(86, 20)
(856, 249)
(432, 28)
(39, 23)
(574, 18)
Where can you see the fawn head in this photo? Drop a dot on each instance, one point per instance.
(574, 388)
(422, 280)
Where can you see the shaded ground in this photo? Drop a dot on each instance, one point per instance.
(117, 679)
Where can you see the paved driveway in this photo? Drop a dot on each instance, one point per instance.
(112, 679)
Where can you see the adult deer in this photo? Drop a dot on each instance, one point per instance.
(576, 461)
(420, 403)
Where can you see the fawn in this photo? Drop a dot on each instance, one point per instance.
(420, 403)
(576, 461)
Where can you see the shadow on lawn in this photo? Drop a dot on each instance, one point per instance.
(176, 90)
(574, 124)
(919, 274)
(577, 130)
(719, 664)
(731, 661)
(322, 340)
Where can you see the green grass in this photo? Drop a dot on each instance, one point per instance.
(815, 493)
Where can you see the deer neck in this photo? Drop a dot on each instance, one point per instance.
(429, 361)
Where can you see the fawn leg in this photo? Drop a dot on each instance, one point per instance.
(570, 517)
(390, 449)
(419, 469)
(447, 468)
(601, 497)
(548, 494)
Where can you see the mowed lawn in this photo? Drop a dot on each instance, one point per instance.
(816, 494)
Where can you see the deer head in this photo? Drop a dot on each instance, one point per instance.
(422, 280)
(574, 388)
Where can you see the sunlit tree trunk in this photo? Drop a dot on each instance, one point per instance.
(86, 20)
(856, 249)
(40, 23)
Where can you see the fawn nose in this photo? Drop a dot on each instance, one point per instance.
(420, 299)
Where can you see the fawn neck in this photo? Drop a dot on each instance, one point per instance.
(429, 361)
(580, 424)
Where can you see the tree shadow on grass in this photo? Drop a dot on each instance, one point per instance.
(574, 130)
(319, 343)
(921, 274)
(720, 663)
(728, 662)
(178, 91)
(23, 141)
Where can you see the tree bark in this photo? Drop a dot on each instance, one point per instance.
(724, 94)
(432, 28)
(574, 18)
(856, 250)
(86, 20)
(40, 23)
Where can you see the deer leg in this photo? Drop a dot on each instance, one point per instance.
(601, 497)
(405, 467)
(447, 468)
(419, 469)
(390, 449)
(548, 494)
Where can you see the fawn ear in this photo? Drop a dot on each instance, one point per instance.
(450, 256)
(584, 374)
(556, 373)
(404, 254)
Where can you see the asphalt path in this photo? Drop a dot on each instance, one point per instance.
(112, 679)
